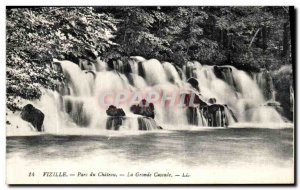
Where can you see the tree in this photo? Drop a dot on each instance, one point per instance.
(37, 35)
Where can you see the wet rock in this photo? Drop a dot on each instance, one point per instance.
(192, 116)
(114, 123)
(119, 65)
(147, 124)
(273, 104)
(192, 111)
(114, 111)
(93, 73)
(110, 64)
(129, 78)
(126, 67)
(86, 65)
(76, 111)
(284, 86)
(34, 116)
(57, 67)
(194, 83)
(212, 100)
(188, 98)
(231, 113)
(225, 73)
(276, 105)
(143, 108)
(221, 70)
(141, 70)
(144, 123)
(215, 115)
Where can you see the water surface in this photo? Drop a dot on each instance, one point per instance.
(210, 148)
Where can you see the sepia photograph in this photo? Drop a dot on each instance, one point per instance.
(150, 95)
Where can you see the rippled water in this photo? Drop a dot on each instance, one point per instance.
(187, 150)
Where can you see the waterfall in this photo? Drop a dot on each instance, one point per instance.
(226, 95)
(265, 82)
(266, 114)
(100, 65)
(172, 74)
(155, 73)
(79, 82)
(232, 87)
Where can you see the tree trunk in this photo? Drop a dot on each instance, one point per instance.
(257, 31)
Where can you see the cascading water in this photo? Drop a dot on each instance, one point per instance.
(234, 88)
(237, 97)
(154, 71)
(172, 74)
(265, 82)
(79, 82)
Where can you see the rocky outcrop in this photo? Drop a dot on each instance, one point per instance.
(193, 111)
(114, 111)
(114, 123)
(215, 115)
(284, 86)
(34, 116)
(145, 123)
(218, 115)
(117, 116)
(144, 108)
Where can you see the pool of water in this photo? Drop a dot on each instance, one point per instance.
(232, 155)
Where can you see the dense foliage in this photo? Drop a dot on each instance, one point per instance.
(246, 37)
(37, 35)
